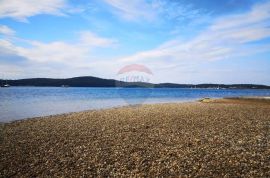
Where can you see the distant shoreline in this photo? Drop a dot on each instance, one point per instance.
(89, 81)
(137, 87)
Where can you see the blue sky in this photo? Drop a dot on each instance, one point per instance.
(181, 41)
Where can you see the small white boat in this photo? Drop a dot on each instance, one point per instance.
(6, 85)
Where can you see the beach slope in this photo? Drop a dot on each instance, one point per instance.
(217, 138)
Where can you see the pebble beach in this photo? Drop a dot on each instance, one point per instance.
(210, 138)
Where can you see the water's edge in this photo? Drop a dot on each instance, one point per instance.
(18, 103)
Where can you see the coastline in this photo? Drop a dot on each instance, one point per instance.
(98, 109)
(212, 100)
(214, 138)
(37, 102)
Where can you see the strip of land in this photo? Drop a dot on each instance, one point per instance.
(211, 138)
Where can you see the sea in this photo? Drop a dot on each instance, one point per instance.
(18, 103)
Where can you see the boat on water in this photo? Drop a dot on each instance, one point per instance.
(5, 85)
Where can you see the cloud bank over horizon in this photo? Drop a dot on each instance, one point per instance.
(180, 41)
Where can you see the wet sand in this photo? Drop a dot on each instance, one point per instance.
(212, 138)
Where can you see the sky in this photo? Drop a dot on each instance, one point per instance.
(180, 41)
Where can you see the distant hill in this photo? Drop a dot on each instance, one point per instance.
(72, 82)
(88, 81)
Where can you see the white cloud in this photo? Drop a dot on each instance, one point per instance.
(133, 9)
(12, 71)
(259, 13)
(88, 38)
(59, 51)
(21, 9)
(153, 10)
(176, 10)
(226, 37)
(5, 30)
(55, 51)
(54, 59)
(6, 44)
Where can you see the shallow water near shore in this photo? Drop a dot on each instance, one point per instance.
(26, 102)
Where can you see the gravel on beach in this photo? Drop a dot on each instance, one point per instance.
(219, 138)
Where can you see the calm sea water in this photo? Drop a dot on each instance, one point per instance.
(26, 102)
